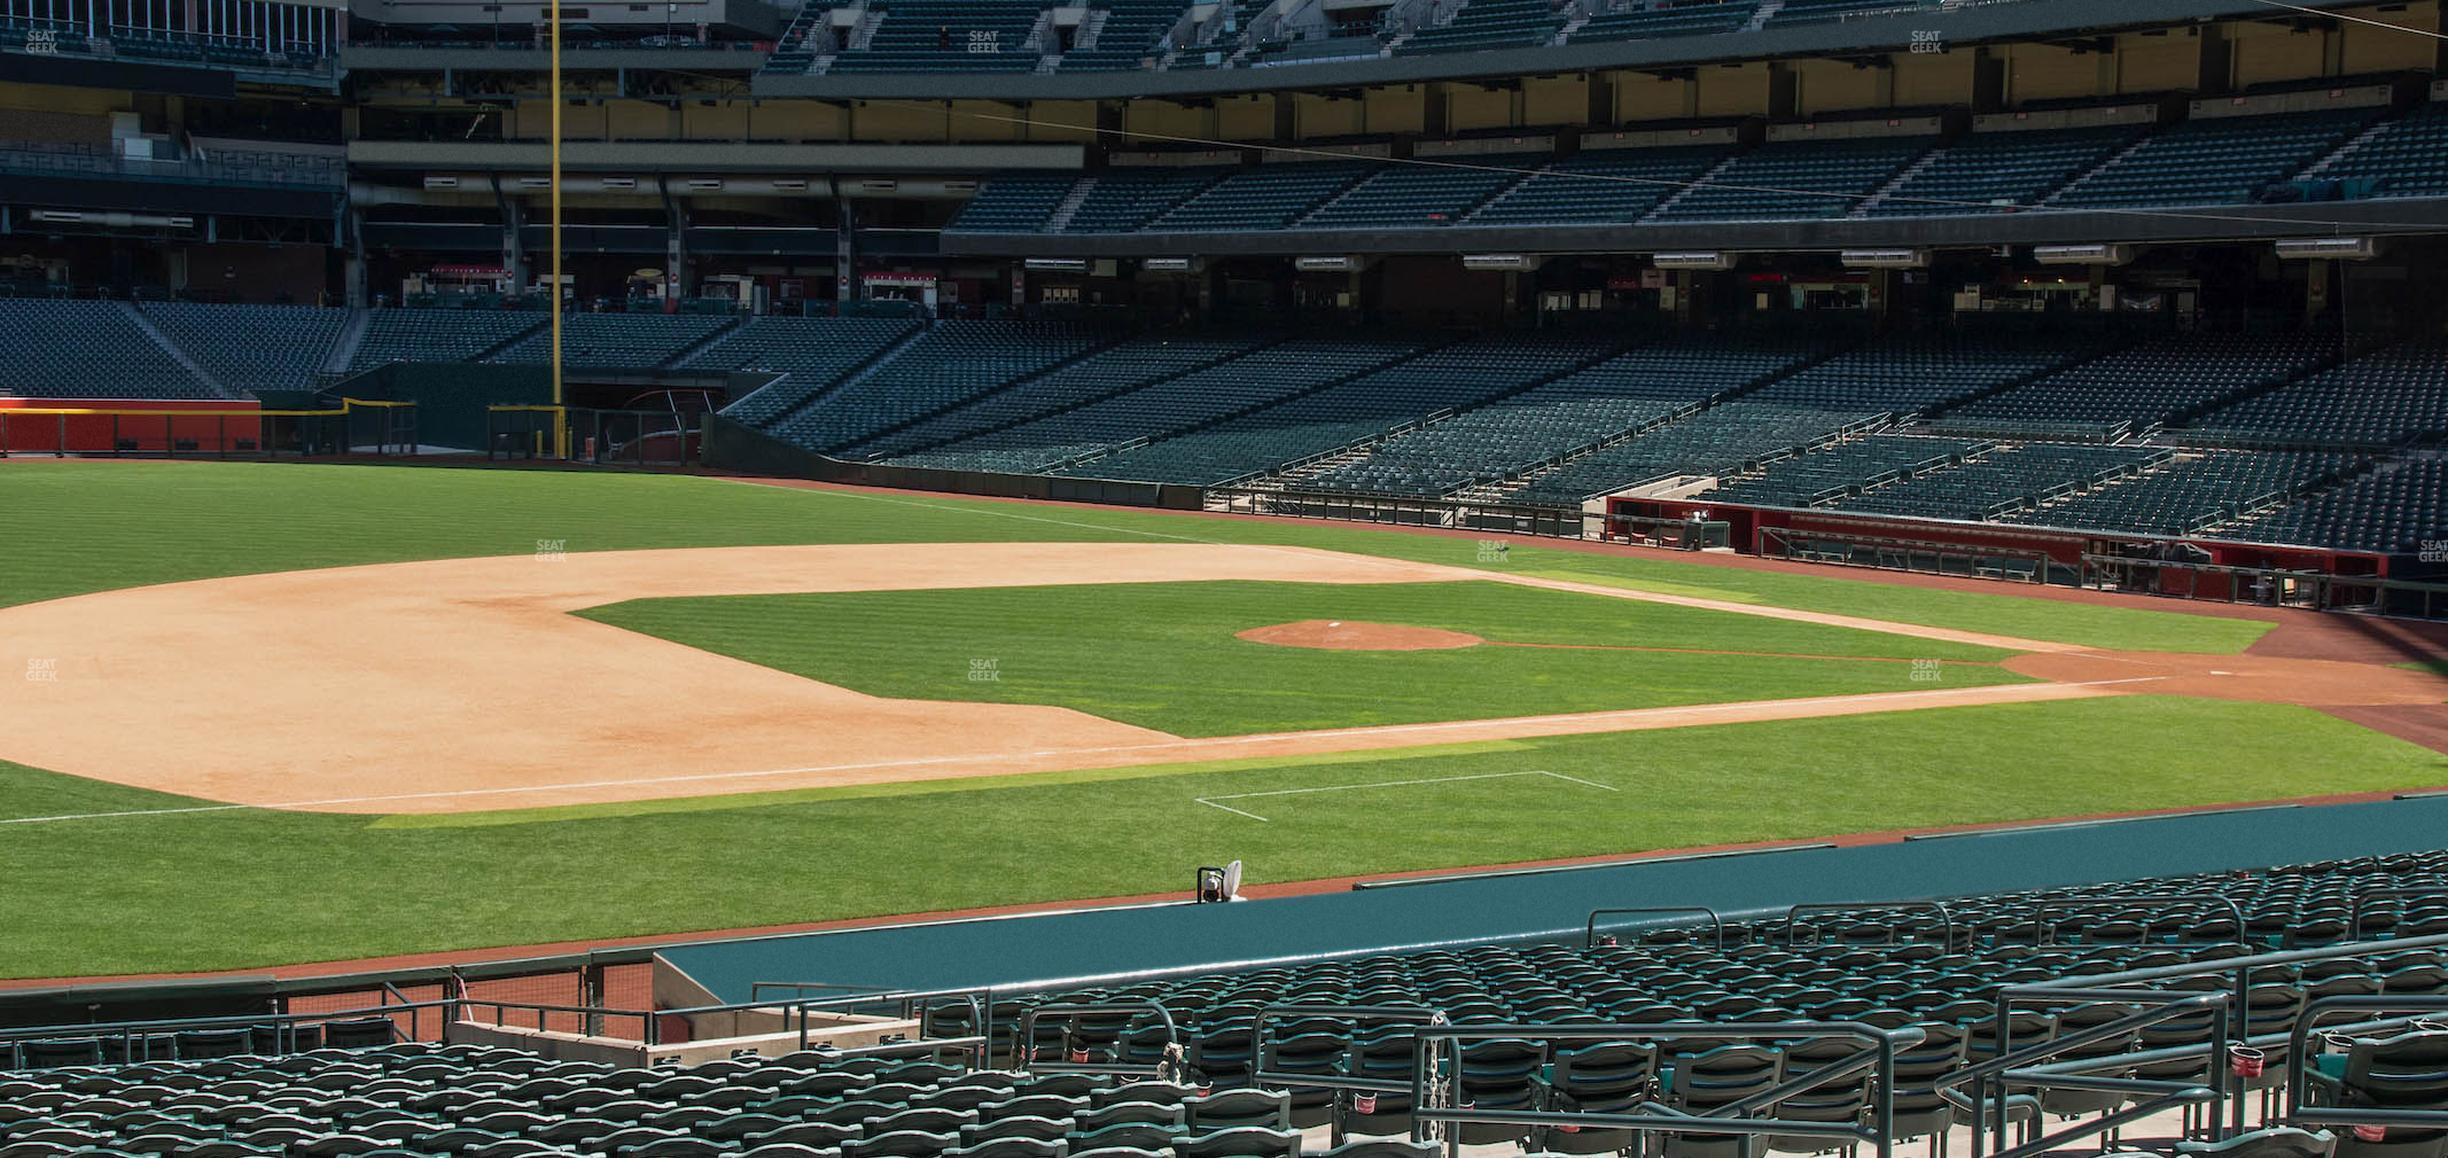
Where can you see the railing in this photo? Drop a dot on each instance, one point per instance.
(913, 1005)
(2364, 899)
(2227, 1007)
(2298, 1076)
(1263, 1050)
(138, 1040)
(2043, 933)
(1438, 1052)
(1025, 1049)
(2012, 1066)
(312, 171)
(1946, 919)
(1589, 930)
(1494, 517)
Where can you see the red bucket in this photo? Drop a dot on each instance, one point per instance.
(1364, 1104)
(2246, 1062)
(2371, 1133)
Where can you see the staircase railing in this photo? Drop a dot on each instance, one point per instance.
(2298, 1084)
(2229, 1006)
(1946, 919)
(1589, 930)
(1437, 1057)
(1991, 1101)
(1024, 1050)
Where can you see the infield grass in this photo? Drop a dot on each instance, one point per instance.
(1166, 656)
(244, 888)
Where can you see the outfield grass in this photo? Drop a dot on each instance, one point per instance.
(1165, 656)
(73, 527)
(237, 889)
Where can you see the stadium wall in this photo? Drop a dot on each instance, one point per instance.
(132, 428)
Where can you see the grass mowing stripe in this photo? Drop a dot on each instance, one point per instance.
(253, 888)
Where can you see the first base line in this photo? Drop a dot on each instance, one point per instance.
(1211, 801)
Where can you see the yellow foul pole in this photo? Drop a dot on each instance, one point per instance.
(560, 417)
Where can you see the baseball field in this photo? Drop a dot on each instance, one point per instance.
(276, 713)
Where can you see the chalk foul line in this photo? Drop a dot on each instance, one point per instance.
(1212, 801)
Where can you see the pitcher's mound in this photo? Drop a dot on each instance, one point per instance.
(1353, 635)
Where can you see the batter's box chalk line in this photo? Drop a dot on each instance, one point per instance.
(1217, 801)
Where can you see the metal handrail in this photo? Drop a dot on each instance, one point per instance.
(2043, 933)
(1261, 1047)
(2012, 1065)
(1651, 1115)
(1589, 931)
(1946, 919)
(1024, 1050)
(128, 1033)
(2298, 1073)
(2363, 901)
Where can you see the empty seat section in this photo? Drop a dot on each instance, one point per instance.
(1600, 186)
(1905, 375)
(1724, 439)
(1801, 178)
(2379, 399)
(1123, 199)
(1611, 399)
(2144, 385)
(1019, 203)
(949, 36)
(1245, 383)
(2398, 508)
(1459, 375)
(71, 349)
(1988, 172)
(1825, 475)
(2406, 157)
(2008, 478)
(1489, 24)
(1794, 12)
(1266, 197)
(812, 353)
(617, 341)
(2192, 492)
(251, 348)
(951, 363)
(1645, 21)
(1129, 366)
(1415, 196)
(1128, 36)
(2213, 161)
(438, 335)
